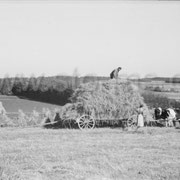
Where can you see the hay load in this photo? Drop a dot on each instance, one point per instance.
(104, 100)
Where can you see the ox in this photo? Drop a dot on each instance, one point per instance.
(169, 115)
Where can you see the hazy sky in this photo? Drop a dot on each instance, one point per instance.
(52, 38)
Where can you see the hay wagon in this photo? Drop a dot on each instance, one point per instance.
(87, 121)
(82, 118)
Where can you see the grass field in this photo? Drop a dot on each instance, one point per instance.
(99, 154)
(169, 95)
(13, 104)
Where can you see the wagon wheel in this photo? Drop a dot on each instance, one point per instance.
(132, 121)
(86, 122)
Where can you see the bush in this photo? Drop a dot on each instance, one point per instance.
(45, 89)
(22, 119)
(5, 121)
(158, 89)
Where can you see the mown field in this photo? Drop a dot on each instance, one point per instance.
(13, 104)
(99, 154)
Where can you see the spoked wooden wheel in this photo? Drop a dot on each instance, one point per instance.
(86, 122)
(132, 121)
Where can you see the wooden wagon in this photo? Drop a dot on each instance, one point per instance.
(87, 121)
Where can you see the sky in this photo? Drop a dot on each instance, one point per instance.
(89, 38)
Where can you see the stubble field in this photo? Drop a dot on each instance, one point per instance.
(99, 154)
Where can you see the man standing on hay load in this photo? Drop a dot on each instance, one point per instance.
(114, 73)
(140, 119)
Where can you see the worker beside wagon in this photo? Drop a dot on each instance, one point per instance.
(140, 119)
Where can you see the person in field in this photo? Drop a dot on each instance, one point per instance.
(171, 117)
(114, 73)
(2, 109)
(140, 120)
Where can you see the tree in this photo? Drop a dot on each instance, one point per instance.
(6, 86)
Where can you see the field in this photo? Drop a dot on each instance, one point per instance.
(13, 104)
(162, 84)
(169, 95)
(99, 154)
(173, 89)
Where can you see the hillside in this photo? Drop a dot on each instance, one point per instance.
(54, 90)
(13, 104)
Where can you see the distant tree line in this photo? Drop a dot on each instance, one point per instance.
(55, 90)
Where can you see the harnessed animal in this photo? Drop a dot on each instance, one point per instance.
(169, 115)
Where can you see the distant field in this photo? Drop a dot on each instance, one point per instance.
(99, 154)
(170, 95)
(13, 104)
(175, 86)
